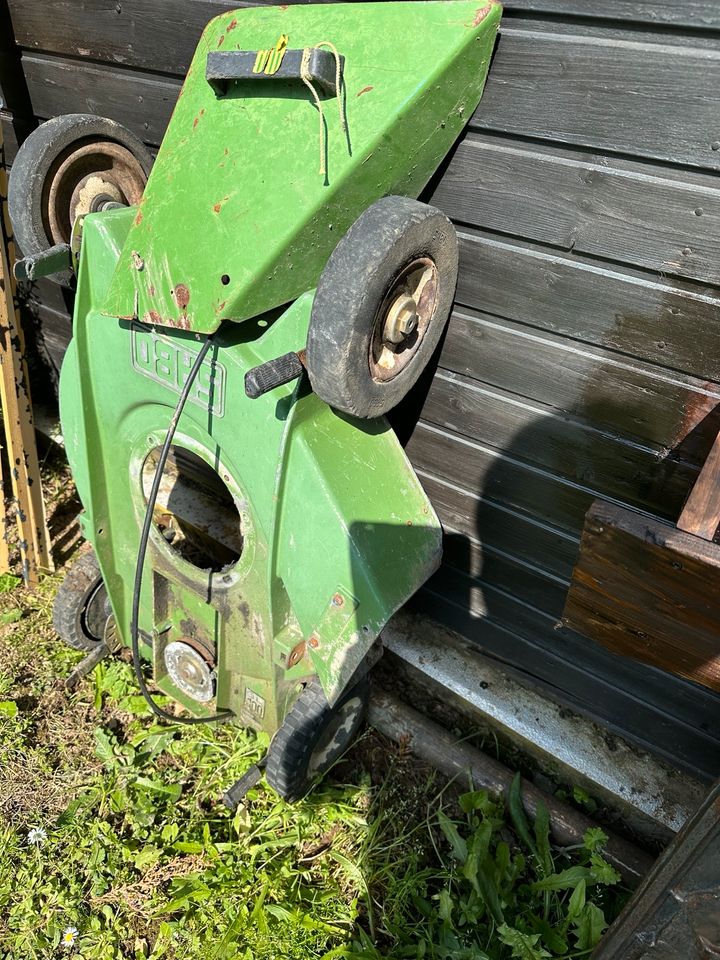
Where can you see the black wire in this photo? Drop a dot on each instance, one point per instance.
(142, 550)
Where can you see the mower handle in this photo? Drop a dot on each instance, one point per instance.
(224, 66)
(274, 373)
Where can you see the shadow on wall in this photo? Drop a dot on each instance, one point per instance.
(504, 583)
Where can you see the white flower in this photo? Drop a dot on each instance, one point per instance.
(37, 836)
(70, 935)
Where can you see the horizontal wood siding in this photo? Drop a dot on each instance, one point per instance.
(644, 215)
(648, 99)
(582, 359)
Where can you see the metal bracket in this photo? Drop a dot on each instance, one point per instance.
(233, 797)
(228, 65)
(87, 665)
(54, 260)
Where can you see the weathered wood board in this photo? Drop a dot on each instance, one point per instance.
(649, 591)
(648, 215)
(25, 506)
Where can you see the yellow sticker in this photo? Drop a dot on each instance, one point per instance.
(269, 61)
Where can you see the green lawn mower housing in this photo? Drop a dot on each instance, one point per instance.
(248, 308)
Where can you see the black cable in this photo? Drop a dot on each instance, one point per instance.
(142, 550)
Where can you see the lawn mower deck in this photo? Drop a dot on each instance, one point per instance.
(278, 220)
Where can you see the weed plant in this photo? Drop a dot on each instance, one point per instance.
(114, 843)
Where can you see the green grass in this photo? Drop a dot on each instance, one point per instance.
(142, 859)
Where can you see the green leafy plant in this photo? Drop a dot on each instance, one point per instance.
(114, 844)
(502, 893)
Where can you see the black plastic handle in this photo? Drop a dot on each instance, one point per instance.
(224, 66)
(272, 374)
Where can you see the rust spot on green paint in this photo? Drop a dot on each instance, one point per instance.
(221, 41)
(138, 218)
(177, 323)
(182, 295)
(364, 90)
(152, 316)
(481, 13)
(231, 25)
(217, 207)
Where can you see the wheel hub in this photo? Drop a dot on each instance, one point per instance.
(190, 671)
(86, 179)
(403, 318)
(337, 737)
(92, 193)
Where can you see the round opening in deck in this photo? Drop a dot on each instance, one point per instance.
(195, 512)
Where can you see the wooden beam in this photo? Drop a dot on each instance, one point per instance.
(646, 590)
(18, 426)
(701, 513)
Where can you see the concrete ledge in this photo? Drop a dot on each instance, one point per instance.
(652, 797)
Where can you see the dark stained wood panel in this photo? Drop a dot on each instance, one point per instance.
(50, 333)
(640, 315)
(142, 102)
(629, 397)
(499, 477)
(481, 522)
(560, 445)
(645, 99)
(158, 35)
(505, 573)
(698, 14)
(588, 204)
(483, 561)
(9, 140)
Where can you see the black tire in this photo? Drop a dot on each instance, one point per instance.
(365, 272)
(82, 607)
(39, 158)
(312, 738)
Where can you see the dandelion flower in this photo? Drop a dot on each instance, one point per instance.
(70, 935)
(37, 836)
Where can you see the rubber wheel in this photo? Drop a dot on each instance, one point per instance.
(82, 608)
(364, 352)
(57, 162)
(312, 738)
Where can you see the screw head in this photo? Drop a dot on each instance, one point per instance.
(314, 641)
(338, 600)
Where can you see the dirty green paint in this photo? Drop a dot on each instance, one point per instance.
(337, 530)
(329, 505)
(235, 192)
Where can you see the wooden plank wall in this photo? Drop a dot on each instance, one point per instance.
(583, 356)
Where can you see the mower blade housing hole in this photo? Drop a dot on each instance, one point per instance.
(195, 512)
